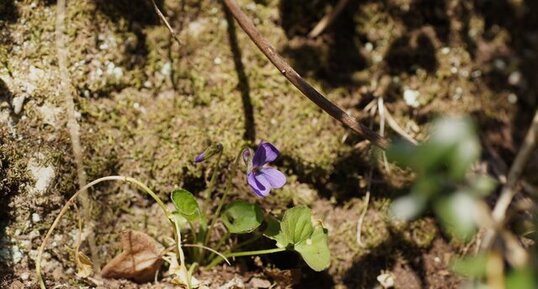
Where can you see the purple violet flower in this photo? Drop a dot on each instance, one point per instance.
(262, 178)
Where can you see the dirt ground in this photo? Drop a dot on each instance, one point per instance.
(147, 105)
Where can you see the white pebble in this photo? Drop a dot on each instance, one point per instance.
(514, 78)
(17, 103)
(512, 98)
(36, 218)
(411, 97)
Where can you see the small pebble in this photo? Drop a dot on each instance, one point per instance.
(512, 98)
(514, 78)
(18, 103)
(36, 218)
(411, 97)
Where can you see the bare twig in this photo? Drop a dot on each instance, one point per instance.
(298, 81)
(328, 19)
(72, 124)
(508, 190)
(161, 15)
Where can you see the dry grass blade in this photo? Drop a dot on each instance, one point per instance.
(328, 19)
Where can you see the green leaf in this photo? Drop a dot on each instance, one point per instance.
(474, 267)
(315, 250)
(408, 207)
(521, 279)
(241, 217)
(464, 154)
(457, 214)
(296, 226)
(186, 205)
(272, 227)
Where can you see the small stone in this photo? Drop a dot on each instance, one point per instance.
(411, 97)
(514, 78)
(25, 276)
(259, 283)
(445, 50)
(499, 64)
(512, 98)
(217, 61)
(166, 69)
(36, 218)
(18, 103)
(386, 280)
(369, 46)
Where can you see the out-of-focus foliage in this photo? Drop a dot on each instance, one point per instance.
(444, 182)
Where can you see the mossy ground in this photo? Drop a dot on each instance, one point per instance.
(147, 105)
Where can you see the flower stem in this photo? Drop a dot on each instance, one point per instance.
(217, 260)
(212, 181)
(215, 216)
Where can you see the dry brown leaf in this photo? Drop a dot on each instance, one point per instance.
(139, 261)
(84, 265)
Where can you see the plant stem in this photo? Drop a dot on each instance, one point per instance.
(182, 267)
(299, 82)
(217, 260)
(257, 252)
(71, 201)
(212, 181)
(215, 216)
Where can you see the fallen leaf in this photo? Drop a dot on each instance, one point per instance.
(84, 265)
(139, 261)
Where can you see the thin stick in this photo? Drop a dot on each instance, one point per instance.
(161, 15)
(301, 84)
(520, 161)
(328, 19)
(508, 191)
(73, 126)
(71, 201)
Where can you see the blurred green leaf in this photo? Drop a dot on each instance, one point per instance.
(186, 205)
(464, 154)
(474, 266)
(315, 250)
(408, 207)
(457, 214)
(241, 217)
(483, 185)
(521, 279)
(403, 153)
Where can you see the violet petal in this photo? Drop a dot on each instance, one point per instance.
(275, 178)
(265, 153)
(259, 184)
(199, 158)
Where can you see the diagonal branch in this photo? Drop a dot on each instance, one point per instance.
(298, 81)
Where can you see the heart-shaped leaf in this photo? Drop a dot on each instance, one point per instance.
(296, 226)
(315, 250)
(186, 205)
(241, 217)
